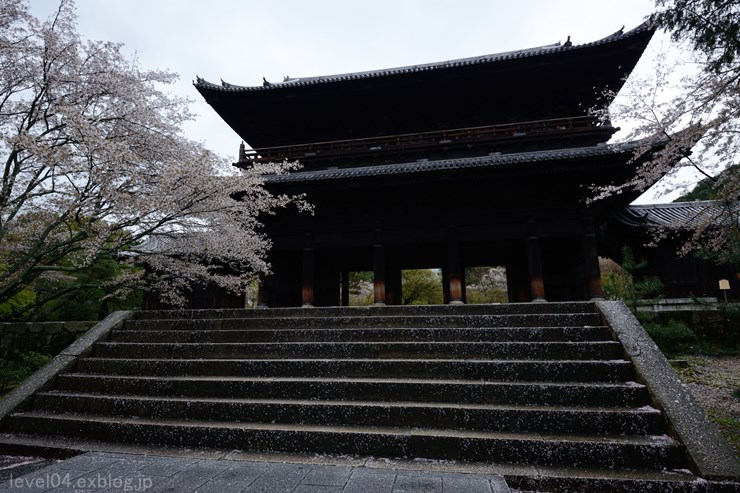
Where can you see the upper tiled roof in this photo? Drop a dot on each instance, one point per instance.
(497, 57)
(677, 215)
(424, 166)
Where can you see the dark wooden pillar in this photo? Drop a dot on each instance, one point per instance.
(263, 292)
(536, 279)
(309, 268)
(517, 279)
(345, 288)
(445, 285)
(393, 284)
(379, 269)
(591, 260)
(454, 268)
(463, 281)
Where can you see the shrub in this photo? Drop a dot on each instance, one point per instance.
(15, 371)
(671, 337)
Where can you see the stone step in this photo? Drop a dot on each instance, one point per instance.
(628, 394)
(512, 370)
(600, 350)
(634, 452)
(459, 416)
(521, 478)
(364, 311)
(340, 334)
(559, 480)
(375, 321)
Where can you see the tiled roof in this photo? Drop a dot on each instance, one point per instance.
(497, 57)
(425, 166)
(678, 215)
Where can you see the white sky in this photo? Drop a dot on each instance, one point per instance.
(241, 41)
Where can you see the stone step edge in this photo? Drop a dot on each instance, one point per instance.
(10, 440)
(634, 440)
(366, 329)
(359, 403)
(314, 328)
(371, 310)
(419, 381)
(368, 343)
(369, 318)
(370, 360)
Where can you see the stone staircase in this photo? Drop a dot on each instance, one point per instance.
(543, 392)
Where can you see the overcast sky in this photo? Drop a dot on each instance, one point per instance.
(241, 41)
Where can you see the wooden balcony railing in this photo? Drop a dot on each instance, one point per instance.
(441, 138)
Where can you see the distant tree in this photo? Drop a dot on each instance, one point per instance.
(93, 163)
(705, 189)
(421, 287)
(625, 282)
(690, 105)
(361, 289)
(486, 285)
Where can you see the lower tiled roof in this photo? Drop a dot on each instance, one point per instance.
(425, 166)
(679, 215)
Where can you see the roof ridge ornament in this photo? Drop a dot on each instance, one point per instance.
(242, 152)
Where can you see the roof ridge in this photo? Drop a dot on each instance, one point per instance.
(675, 205)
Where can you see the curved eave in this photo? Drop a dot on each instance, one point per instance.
(205, 87)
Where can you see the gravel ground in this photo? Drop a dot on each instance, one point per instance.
(715, 384)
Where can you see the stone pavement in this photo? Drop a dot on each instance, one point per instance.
(117, 472)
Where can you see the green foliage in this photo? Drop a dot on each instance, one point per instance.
(729, 426)
(17, 304)
(711, 26)
(624, 285)
(488, 296)
(84, 294)
(13, 371)
(421, 287)
(92, 299)
(672, 337)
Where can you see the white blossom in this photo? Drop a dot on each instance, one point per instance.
(94, 162)
(693, 116)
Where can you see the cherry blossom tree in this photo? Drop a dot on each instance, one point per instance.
(691, 103)
(94, 164)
